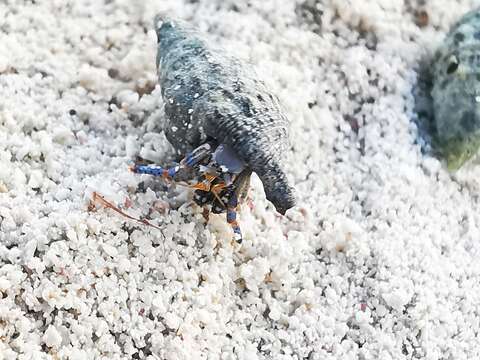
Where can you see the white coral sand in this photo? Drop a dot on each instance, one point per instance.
(380, 260)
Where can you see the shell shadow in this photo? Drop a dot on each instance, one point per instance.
(424, 112)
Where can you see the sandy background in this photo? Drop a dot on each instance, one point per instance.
(380, 260)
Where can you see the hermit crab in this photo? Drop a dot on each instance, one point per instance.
(456, 91)
(223, 118)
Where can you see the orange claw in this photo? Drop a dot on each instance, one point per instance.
(210, 177)
(217, 188)
(201, 186)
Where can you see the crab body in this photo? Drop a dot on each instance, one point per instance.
(456, 91)
(211, 96)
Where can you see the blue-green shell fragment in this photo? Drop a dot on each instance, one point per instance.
(211, 95)
(456, 92)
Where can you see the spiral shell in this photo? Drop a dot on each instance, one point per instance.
(211, 95)
(456, 91)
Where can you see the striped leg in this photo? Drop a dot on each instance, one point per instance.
(190, 160)
(155, 170)
(242, 183)
(197, 155)
(232, 217)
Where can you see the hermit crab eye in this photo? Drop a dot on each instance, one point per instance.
(452, 64)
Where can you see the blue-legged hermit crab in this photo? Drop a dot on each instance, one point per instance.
(223, 118)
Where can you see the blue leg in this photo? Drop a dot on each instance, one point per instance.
(232, 217)
(240, 186)
(197, 155)
(190, 160)
(155, 170)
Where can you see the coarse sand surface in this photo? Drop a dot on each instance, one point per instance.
(379, 260)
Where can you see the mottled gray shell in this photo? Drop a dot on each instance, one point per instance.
(456, 90)
(210, 95)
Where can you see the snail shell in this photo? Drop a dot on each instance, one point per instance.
(456, 91)
(211, 95)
